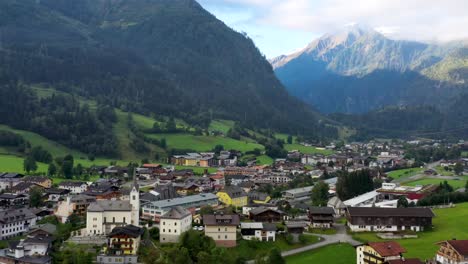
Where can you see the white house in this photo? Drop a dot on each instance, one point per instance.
(15, 222)
(73, 187)
(172, 224)
(104, 215)
(259, 231)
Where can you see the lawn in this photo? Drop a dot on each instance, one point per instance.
(454, 183)
(464, 154)
(10, 163)
(249, 249)
(448, 224)
(327, 231)
(404, 173)
(264, 160)
(332, 254)
(204, 143)
(221, 125)
(441, 170)
(307, 150)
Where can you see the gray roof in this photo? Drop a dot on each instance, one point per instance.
(258, 196)
(321, 210)
(260, 210)
(108, 205)
(234, 191)
(14, 215)
(335, 202)
(177, 212)
(221, 220)
(184, 200)
(47, 227)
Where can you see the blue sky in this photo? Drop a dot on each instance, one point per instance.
(283, 26)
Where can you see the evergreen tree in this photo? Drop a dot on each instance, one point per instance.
(29, 164)
(319, 194)
(35, 197)
(52, 170)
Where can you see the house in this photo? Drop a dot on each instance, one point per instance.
(173, 223)
(8, 183)
(452, 252)
(43, 229)
(379, 252)
(32, 250)
(122, 246)
(295, 228)
(258, 197)
(39, 180)
(321, 217)
(23, 188)
(55, 195)
(265, 214)
(236, 180)
(259, 231)
(406, 261)
(154, 210)
(74, 187)
(73, 204)
(388, 219)
(8, 200)
(337, 205)
(15, 222)
(105, 190)
(104, 215)
(233, 195)
(249, 171)
(222, 228)
(279, 179)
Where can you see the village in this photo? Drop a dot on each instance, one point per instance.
(306, 201)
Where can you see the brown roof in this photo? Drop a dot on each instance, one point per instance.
(386, 249)
(461, 246)
(221, 220)
(405, 261)
(390, 212)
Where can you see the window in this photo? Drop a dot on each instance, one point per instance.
(113, 219)
(225, 236)
(164, 223)
(124, 220)
(175, 224)
(225, 229)
(133, 197)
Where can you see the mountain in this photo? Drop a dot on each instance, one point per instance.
(358, 69)
(154, 57)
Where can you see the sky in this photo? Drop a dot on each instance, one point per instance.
(284, 26)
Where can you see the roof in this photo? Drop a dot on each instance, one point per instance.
(387, 249)
(335, 202)
(389, 212)
(14, 215)
(299, 190)
(405, 261)
(184, 200)
(262, 209)
(36, 179)
(361, 198)
(47, 227)
(129, 230)
(461, 246)
(39, 239)
(71, 183)
(108, 205)
(321, 210)
(7, 196)
(296, 224)
(81, 198)
(221, 220)
(56, 191)
(234, 191)
(258, 196)
(253, 225)
(177, 212)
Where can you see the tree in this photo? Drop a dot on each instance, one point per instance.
(458, 169)
(67, 166)
(52, 170)
(402, 202)
(290, 139)
(154, 233)
(274, 257)
(320, 194)
(35, 197)
(466, 186)
(218, 148)
(206, 210)
(29, 164)
(352, 184)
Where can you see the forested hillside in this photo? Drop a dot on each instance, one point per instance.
(163, 57)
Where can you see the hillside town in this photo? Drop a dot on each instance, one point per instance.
(325, 197)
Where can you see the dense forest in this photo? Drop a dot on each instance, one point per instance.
(60, 118)
(167, 57)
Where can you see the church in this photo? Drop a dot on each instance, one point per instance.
(103, 215)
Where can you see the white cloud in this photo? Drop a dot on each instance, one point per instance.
(426, 20)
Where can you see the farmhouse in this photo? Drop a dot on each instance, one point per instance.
(379, 252)
(173, 224)
(388, 219)
(321, 217)
(123, 244)
(233, 195)
(453, 252)
(259, 231)
(74, 187)
(265, 214)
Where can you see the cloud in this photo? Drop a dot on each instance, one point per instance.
(425, 20)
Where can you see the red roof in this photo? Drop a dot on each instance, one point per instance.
(387, 249)
(461, 246)
(405, 261)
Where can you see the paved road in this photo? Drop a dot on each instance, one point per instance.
(340, 237)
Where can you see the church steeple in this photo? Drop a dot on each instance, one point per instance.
(135, 201)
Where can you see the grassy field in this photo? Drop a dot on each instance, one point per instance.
(9, 163)
(328, 231)
(264, 160)
(56, 180)
(464, 154)
(221, 125)
(204, 143)
(448, 224)
(454, 183)
(404, 173)
(332, 254)
(308, 150)
(441, 170)
(249, 249)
